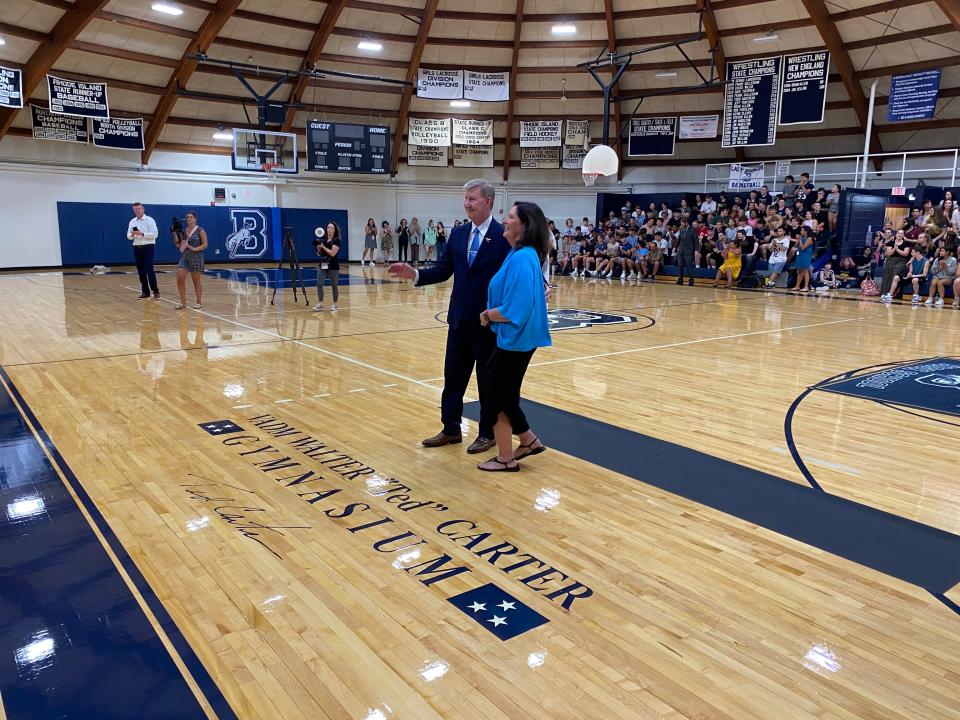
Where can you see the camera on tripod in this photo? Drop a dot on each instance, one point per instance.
(288, 237)
(176, 225)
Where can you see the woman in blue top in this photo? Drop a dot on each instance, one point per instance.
(517, 314)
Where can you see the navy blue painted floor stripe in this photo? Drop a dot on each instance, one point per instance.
(74, 643)
(910, 551)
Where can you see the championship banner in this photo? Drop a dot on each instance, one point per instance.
(539, 158)
(11, 88)
(698, 127)
(426, 155)
(913, 96)
(119, 133)
(472, 132)
(440, 84)
(750, 102)
(473, 156)
(540, 133)
(573, 156)
(652, 136)
(746, 177)
(486, 86)
(72, 97)
(47, 126)
(428, 131)
(803, 97)
(578, 133)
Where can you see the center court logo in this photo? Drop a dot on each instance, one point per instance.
(249, 237)
(570, 319)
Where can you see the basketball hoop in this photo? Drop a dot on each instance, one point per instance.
(601, 160)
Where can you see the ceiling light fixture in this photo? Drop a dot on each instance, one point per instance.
(222, 134)
(2, 41)
(460, 103)
(167, 9)
(666, 74)
(769, 37)
(563, 89)
(371, 45)
(564, 29)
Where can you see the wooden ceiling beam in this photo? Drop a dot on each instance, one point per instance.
(817, 10)
(327, 23)
(70, 24)
(951, 9)
(936, 64)
(219, 14)
(140, 24)
(429, 11)
(123, 54)
(511, 105)
(25, 33)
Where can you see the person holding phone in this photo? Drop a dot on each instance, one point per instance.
(142, 231)
(193, 241)
(327, 246)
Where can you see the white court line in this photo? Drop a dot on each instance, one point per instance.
(338, 356)
(817, 461)
(690, 342)
(676, 344)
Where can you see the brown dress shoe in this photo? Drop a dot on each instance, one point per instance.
(481, 444)
(441, 439)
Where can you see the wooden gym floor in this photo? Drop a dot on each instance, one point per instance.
(227, 513)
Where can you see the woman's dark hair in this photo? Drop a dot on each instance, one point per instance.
(191, 212)
(536, 233)
(336, 230)
(385, 223)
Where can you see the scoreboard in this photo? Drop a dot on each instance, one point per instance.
(340, 147)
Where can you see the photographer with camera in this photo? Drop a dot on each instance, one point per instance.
(191, 243)
(142, 231)
(327, 246)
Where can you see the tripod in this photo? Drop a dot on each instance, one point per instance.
(289, 253)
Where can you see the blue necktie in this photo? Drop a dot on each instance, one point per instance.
(474, 246)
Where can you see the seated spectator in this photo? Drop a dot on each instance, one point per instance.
(731, 264)
(609, 259)
(849, 273)
(627, 250)
(917, 270)
(944, 276)
(825, 277)
(570, 250)
(653, 262)
(709, 205)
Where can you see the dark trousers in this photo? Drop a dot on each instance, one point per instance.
(893, 266)
(143, 254)
(334, 277)
(404, 255)
(500, 390)
(467, 346)
(684, 263)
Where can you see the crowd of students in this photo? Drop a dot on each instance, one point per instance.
(728, 233)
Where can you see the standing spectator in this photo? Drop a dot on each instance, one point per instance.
(833, 209)
(191, 248)
(142, 230)
(416, 240)
(517, 314)
(369, 243)
(750, 246)
(429, 240)
(403, 239)
(386, 240)
(778, 257)
(731, 264)
(804, 260)
(327, 246)
(789, 190)
(441, 239)
(896, 252)
(476, 250)
(944, 276)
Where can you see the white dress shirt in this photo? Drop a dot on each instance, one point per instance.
(482, 227)
(147, 226)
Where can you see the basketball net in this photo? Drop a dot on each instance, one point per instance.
(270, 168)
(590, 178)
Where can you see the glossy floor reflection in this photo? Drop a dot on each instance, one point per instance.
(261, 466)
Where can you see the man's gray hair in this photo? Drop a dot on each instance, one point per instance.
(486, 189)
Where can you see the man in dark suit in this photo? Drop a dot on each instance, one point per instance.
(475, 251)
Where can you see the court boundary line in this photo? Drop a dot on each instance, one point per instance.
(156, 612)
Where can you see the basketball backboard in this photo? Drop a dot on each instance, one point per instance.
(261, 151)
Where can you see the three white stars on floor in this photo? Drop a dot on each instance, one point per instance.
(496, 619)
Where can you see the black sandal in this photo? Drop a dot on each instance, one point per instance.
(504, 466)
(531, 450)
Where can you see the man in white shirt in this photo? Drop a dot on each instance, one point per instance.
(709, 205)
(779, 247)
(142, 230)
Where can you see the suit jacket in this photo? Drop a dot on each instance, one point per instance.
(469, 296)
